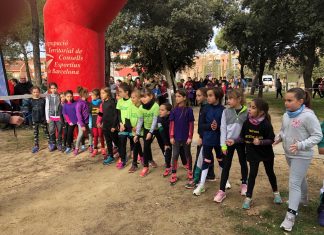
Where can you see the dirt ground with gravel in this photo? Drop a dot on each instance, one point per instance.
(53, 193)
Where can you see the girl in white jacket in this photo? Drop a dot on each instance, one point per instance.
(300, 132)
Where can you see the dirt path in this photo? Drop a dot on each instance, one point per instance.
(51, 193)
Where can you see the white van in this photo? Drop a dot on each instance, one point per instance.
(268, 80)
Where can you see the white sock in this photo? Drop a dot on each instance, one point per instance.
(203, 176)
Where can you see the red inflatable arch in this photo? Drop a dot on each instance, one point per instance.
(75, 41)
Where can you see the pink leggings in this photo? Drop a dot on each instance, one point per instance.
(97, 132)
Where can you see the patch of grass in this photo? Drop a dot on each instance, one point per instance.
(269, 220)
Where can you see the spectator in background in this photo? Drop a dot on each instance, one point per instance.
(22, 88)
(316, 89)
(129, 80)
(278, 88)
(321, 87)
(138, 84)
(44, 87)
(113, 87)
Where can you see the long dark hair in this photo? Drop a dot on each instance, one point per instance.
(262, 106)
(183, 93)
(218, 92)
(300, 94)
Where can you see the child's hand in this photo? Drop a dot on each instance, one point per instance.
(83, 128)
(121, 127)
(166, 147)
(172, 141)
(189, 141)
(136, 139)
(276, 141)
(99, 125)
(213, 125)
(71, 124)
(149, 136)
(229, 142)
(112, 129)
(200, 141)
(48, 121)
(134, 129)
(256, 141)
(293, 148)
(224, 152)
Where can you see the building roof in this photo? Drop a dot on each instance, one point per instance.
(124, 71)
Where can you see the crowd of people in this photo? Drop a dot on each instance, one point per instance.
(140, 112)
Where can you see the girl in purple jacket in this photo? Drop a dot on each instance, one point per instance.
(82, 113)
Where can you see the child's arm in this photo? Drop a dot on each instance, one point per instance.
(99, 117)
(79, 114)
(154, 123)
(139, 125)
(203, 123)
(223, 135)
(314, 129)
(47, 109)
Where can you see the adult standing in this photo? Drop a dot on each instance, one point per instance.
(22, 88)
(129, 80)
(278, 88)
(316, 89)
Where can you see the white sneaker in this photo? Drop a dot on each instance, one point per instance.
(228, 185)
(199, 190)
(289, 222)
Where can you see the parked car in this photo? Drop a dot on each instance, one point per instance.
(268, 80)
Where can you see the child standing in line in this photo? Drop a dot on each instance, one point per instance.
(149, 112)
(64, 123)
(97, 133)
(82, 113)
(71, 119)
(231, 126)
(181, 133)
(201, 97)
(300, 132)
(257, 133)
(107, 120)
(131, 124)
(164, 130)
(123, 105)
(38, 116)
(210, 121)
(53, 111)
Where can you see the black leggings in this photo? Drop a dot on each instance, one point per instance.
(147, 149)
(111, 137)
(137, 150)
(240, 148)
(36, 131)
(254, 167)
(69, 136)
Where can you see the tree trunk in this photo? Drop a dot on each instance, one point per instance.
(166, 69)
(254, 83)
(35, 42)
(260, 74)
(24, 52)
(107, 64)
(309, 65)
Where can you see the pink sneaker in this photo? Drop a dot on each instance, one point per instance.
(90, 149)
(243, 189)
(220, 196)
(120, 165)
(103, 151)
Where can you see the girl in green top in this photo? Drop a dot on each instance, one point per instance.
(149, 112)
(132, 120)
(123, 105)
